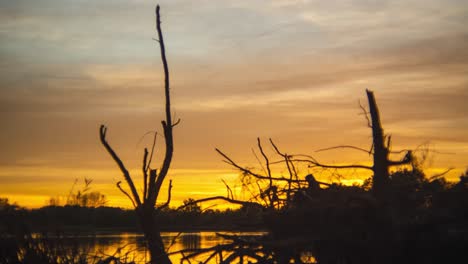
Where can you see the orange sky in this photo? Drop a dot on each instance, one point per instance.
(290, 70)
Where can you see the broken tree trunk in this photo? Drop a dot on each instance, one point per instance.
(381, 162)
(381, 145)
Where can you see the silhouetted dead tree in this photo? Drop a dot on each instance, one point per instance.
(274, 196)
(380, 151)
(382, 163)
(152, 181)
(271, 191)
(381, 145)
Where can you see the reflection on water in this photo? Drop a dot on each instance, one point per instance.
(131, 246)
(191, 240)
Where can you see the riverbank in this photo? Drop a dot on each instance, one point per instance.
(82, 220)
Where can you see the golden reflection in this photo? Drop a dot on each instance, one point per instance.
(131, 246)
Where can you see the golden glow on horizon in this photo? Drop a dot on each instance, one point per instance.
(194, 184)
(290, 70)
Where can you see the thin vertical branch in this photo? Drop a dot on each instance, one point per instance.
(230, 194)
(267, 163)
(152, 151)
(259, 162)
(145, 174)
(167, 124)
(288, 165)
(166, 204)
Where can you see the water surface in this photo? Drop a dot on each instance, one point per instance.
(131, 246)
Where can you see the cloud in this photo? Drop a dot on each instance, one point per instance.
(291, 70)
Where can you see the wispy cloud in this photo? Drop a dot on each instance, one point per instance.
(290, 69)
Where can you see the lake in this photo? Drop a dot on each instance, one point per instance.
(131, 247)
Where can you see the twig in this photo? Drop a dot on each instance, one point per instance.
(102, 133)
(345, 146)
(436, 176)
(216, 198)
(270, 180)
(145, 173)
(317, 164)
(152, 151)
(71, 190)
(124, 192)
(267, 161)
(244, 170)
(176, 123)
(366, 114)
(259, 162)
(229, 191)
(168, 196)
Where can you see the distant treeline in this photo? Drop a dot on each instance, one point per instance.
(99, 219)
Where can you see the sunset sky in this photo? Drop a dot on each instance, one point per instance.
(291, 70)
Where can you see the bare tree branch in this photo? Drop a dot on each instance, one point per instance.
(262, 177)
(124, 192)
(145, 174)
(167, 124)
(229, 191)
(233, 201)
(288, 166)
(276, 148)
(407, 159)
(317, 164)
(345, 146)
(436, 176)
(176, 123)
(152, 152)
(166, 204)
(366, 114)
(102, 133)
(262, 196)
(244, 170)
(259, 162)
(267, 163)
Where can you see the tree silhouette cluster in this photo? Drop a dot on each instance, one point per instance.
(398, 217)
